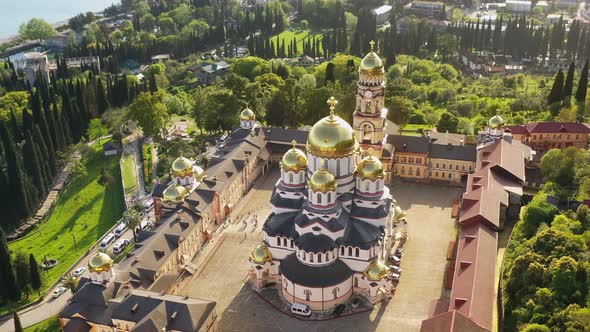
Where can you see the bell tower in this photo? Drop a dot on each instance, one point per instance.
(369, 118)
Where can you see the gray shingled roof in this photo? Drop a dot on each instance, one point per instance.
(316, 276)
(454, 152)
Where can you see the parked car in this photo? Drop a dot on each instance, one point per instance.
(395, 276)
(106, 241)
(396, 260)
(120, 245)
(148, 205)
(58, 291)
(79, 271)
(120, 230)
(396, 269)
(145, 225)
(399, 252)
(300, 309)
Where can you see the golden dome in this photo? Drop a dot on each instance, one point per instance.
(247, 115)
(261, 254)
(370, 168)
(294, 160)
(496, 122)
(376, 270)
(182, 164)
(372, 62)
(175, 193)
(331, 137)
(100, 262)
(323, 181)
(398, 213)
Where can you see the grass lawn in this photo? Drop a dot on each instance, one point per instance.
(129, 175)
(85, 210)
(300, 35)
(185, 120)
(49, 325)
(416, 127)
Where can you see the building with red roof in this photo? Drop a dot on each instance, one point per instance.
(543, 136)
(495, 185)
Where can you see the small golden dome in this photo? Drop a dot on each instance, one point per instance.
(331, 137)
(247, 115)
(199, 173)
(261, 254)
(496, 122)
(376, 270)
(175, 193)
(294, 160)
(100, 262)
(398, 213)
(370, 168)
(372, 63)
(182, 164)
(323, 181)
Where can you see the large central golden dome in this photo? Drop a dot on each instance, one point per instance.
(331, 137)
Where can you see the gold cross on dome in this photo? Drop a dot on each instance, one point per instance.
(332, 102)
(294, 142)
(370, 152)
(372, 43)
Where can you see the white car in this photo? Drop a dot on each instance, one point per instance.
(120, 230)
(147, 206)
(300, 309)
(58, 291)
(120, 245)
(79, 271)
(145, 225)
(106, 241)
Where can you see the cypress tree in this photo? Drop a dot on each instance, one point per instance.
(569, 84)
(42, 153)
(330, 77)
(16, 132)
(32, 164)
(8, 286)
(17, 325)
(101, 97)
(582, 85)
(21, 271)
(18, 196)
(35, 275)
(557, 89)
(27, 120)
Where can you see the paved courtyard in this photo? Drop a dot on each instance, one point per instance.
(430, 229)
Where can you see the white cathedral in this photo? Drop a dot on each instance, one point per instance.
(332, 221)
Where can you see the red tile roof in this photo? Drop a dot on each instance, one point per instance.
(549, 127)
(452, 321)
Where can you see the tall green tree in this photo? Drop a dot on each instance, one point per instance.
(18, 195)
(583, 84)
(35, 274)
(8, 285)
(33, 166)
(568, 87)
(150, 113)
(21, 270)
(556, 93)
(36, 29)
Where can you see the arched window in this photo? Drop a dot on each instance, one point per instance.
(329, 197)
(307, 293)
(311, 257)
(327, 256)
(356, 281)
(356, 252)
(284, 242)
(342, 251)
(291, 243)
(290, 177)
(319, 198)
(418, 171)
(319, 258)
(278, 241)
(335, 292)
(350, 251)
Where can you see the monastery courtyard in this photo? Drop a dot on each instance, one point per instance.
(430, 228)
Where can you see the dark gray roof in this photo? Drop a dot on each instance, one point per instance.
(314, 276)
(361, 234)
(76, 325)
(333, 225)
(315, 243)
(377, 212)
(150, 310)
(281, 224)
(92, 301)
(287, 203)
(454, 152)
(412, 144)
(283, 135)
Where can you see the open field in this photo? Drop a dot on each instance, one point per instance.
(299, 35)
(129, 175)
(82, 214)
